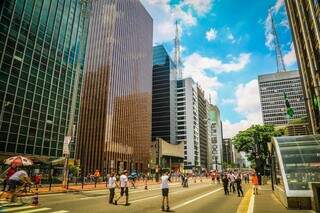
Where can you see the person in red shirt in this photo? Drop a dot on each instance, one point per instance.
(12, 169)
(37, 180)
(255, 183)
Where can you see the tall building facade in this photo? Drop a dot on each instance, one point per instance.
(40, 44)
(115, 121)
(227, 151)
(163, 96)
(273, 88)
(214, 137)
(188, 121)
(203, 128)
(304, 19)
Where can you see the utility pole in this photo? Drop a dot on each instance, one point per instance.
(84, 4)
(4, 105)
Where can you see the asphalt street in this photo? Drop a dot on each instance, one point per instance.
(199, 197)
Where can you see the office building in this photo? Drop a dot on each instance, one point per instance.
(116, 101)
(188, 121)
(273, 88)
(227, 152)
(214, 137)
(40, 44)
(304, 19)
(163, 96)
(203, 128)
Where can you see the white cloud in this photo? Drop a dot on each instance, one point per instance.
(247, 100)
(231, 38)
(200, 6)
(202, 70)
(164, 16)
(196, 62)
(228, 101)
(268, 24)
(290, 57)
(211, 34)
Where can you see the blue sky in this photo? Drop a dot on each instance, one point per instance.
(225, 45)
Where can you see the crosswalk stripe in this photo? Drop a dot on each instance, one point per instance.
(61, 211)
(36, 210)
(11, 209)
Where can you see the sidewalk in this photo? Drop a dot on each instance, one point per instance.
(266, 202)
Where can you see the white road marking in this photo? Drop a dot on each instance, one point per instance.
(133, 192)
(147, 198)
(195, 199)
(11, 209)
(36, 210)
(61, 211)
(251, 204)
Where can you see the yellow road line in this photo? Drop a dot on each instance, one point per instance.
(244, 204)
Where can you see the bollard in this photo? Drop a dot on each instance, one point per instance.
(35, 199)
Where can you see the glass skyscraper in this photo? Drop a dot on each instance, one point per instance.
(115, 121)
(163, 96)
(39, 52)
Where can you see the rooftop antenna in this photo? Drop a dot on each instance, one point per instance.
(177, 56)
(279, 57)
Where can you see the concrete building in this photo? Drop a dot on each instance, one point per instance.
(304, 19)
(166, 155)
(39, 59)
(227, 151)
(116, 102)
(163, 96)
(188, 121)
(273, 88)
(203, 128)
(214, 137)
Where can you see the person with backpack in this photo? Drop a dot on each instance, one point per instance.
(225, 182)
(238, 184)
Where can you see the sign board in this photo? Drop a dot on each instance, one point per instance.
(66, 142)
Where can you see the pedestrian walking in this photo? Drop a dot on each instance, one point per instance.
(232, 179)
(255, 183)
(112, 184)
(124, 190)
(239, 187)
(165, 179)
(225, 182)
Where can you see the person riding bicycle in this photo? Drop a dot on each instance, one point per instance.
(19, 178)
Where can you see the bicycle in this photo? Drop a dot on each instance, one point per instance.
(24, 194)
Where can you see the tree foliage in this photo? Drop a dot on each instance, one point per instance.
(255, 139)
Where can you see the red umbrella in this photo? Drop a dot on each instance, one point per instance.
(19, 161)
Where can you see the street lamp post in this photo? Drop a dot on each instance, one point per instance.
(4, 105)
(67, 140)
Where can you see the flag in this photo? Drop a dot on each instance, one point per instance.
(316, 102)
(290, 111)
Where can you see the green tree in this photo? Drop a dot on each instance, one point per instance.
(254, 141)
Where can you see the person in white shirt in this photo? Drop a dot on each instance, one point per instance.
(112, 184)
(18, 179)
(165, 179)
(124, 187)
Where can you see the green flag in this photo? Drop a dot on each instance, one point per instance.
(316, 103)
(290, 111)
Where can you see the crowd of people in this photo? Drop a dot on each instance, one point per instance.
(231, 181)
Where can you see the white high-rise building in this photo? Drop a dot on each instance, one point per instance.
(214, 137)
(188, 121)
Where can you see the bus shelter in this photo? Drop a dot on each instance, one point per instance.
(295, 167)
